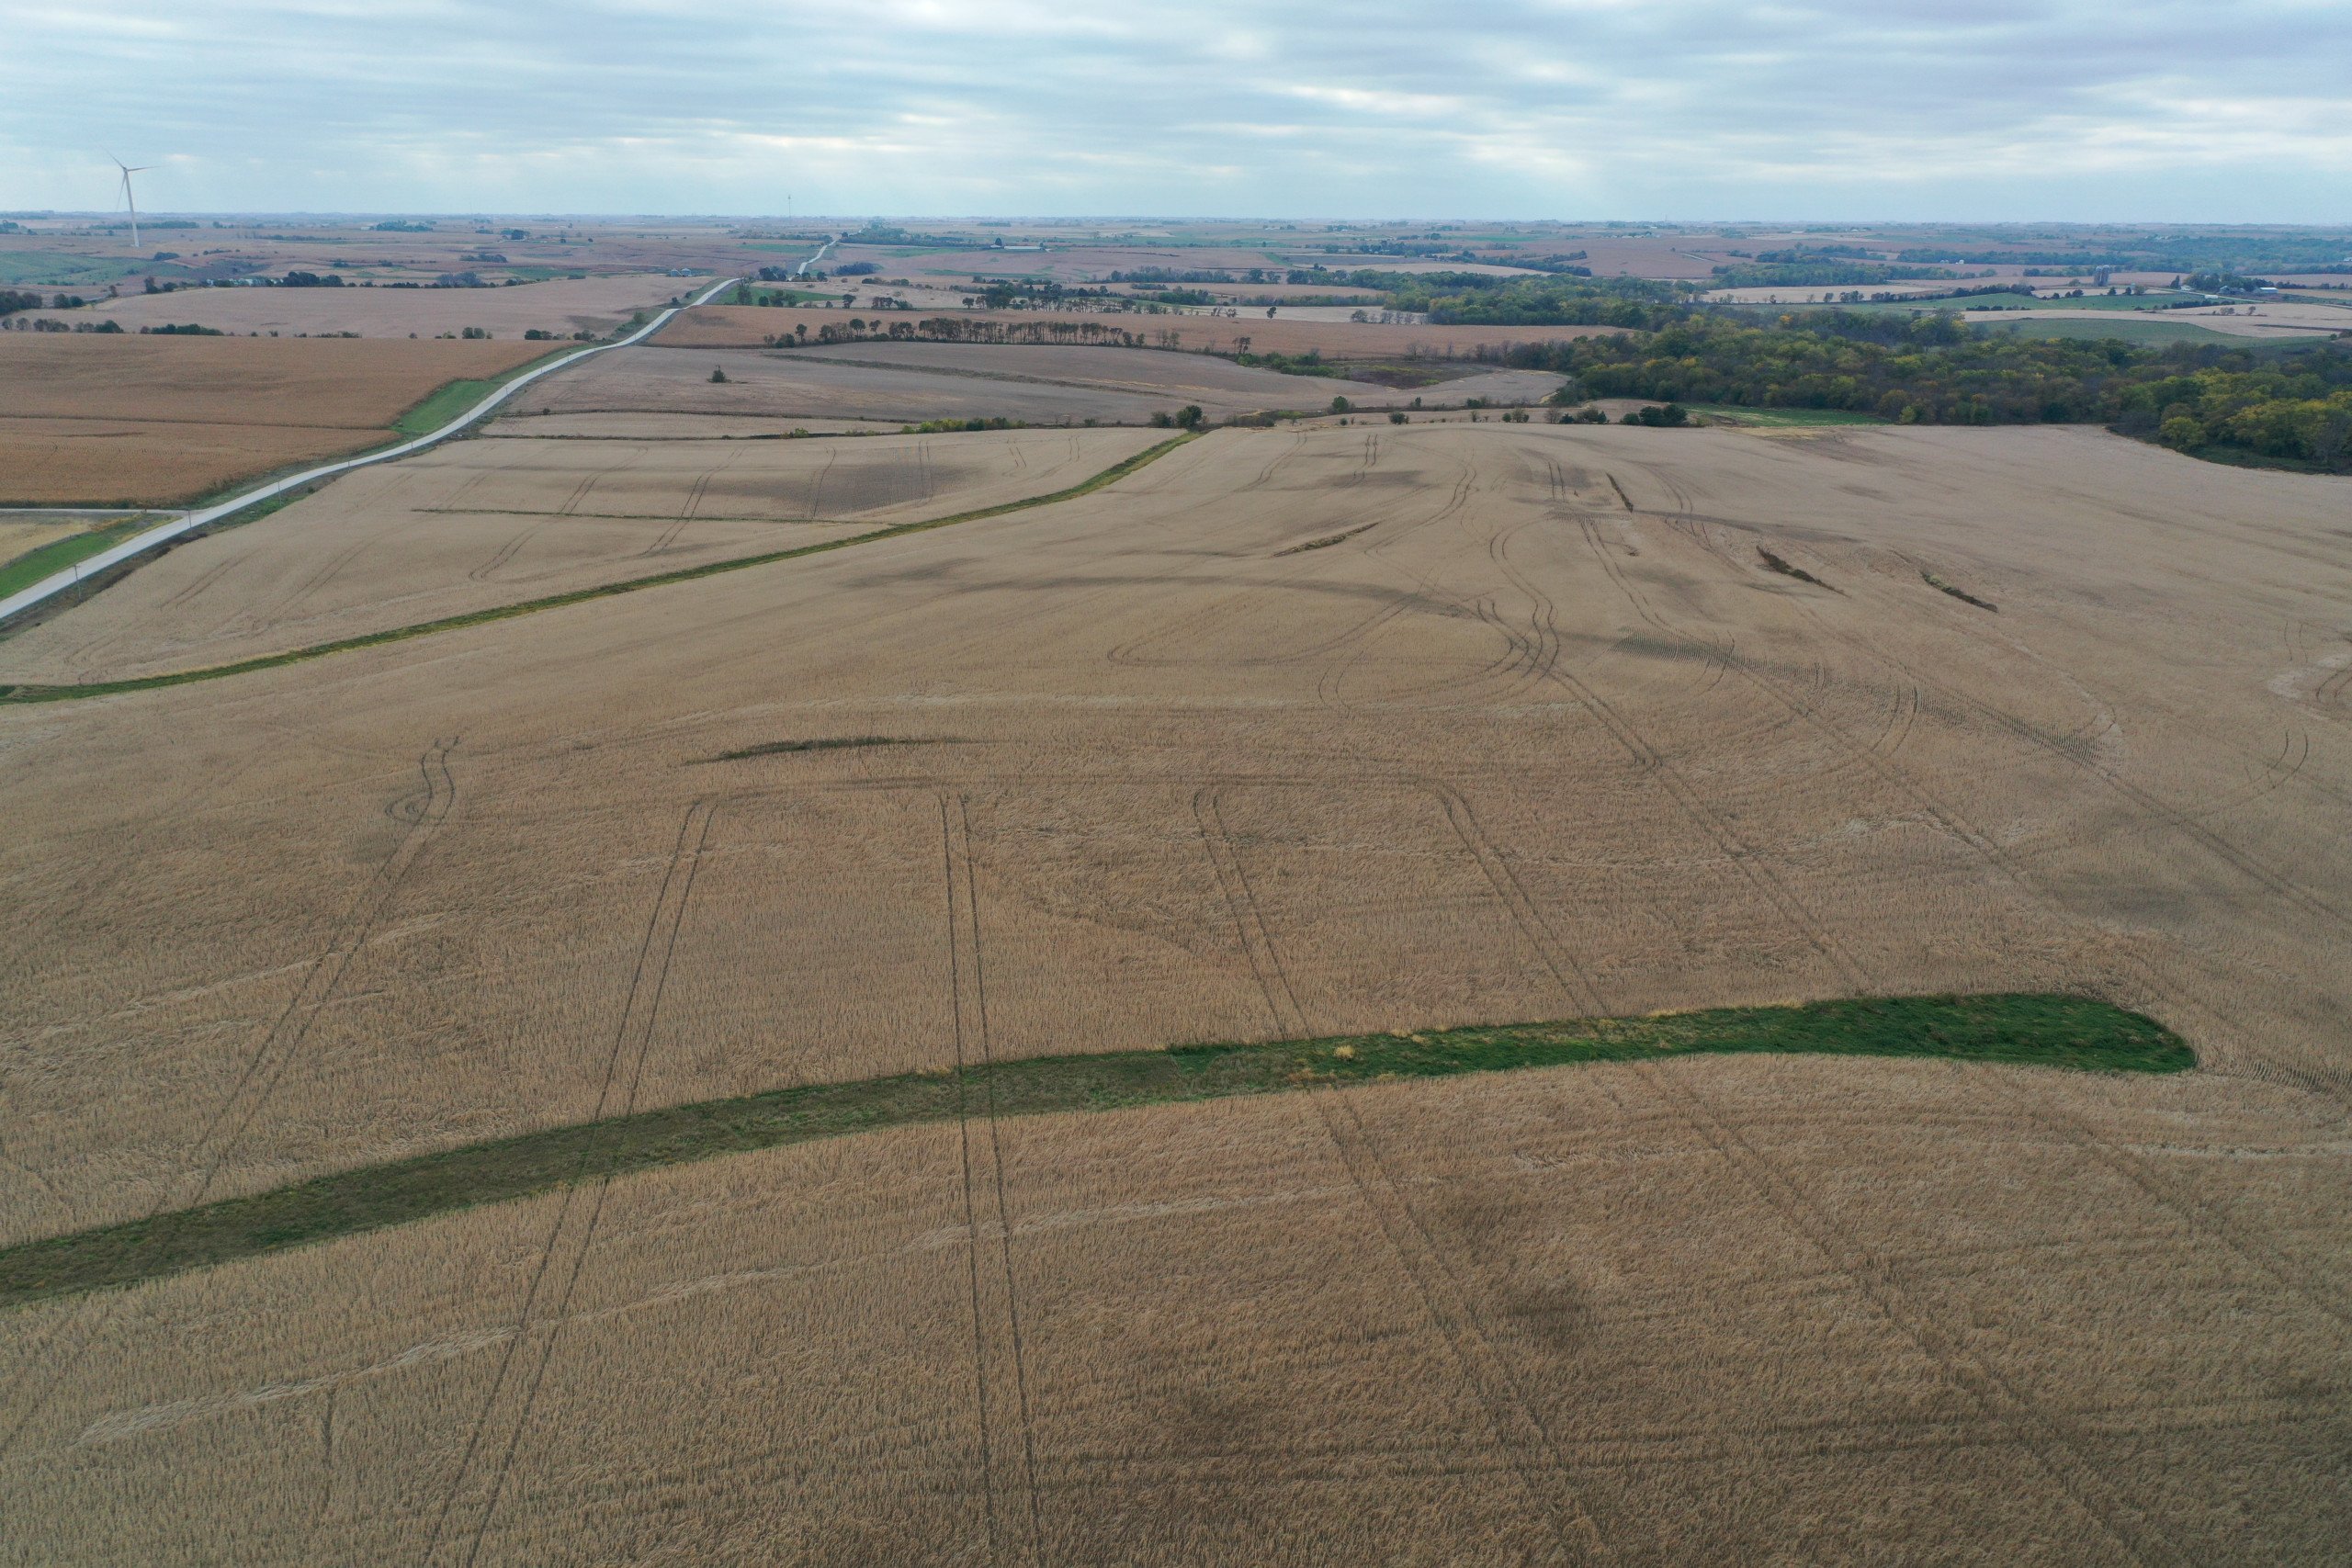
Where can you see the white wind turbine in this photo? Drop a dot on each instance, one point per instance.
(129, 200)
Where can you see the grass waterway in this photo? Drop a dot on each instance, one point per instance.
(2021, 1030)
(33, 694)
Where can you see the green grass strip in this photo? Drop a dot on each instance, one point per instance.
(451, 399)
(26, 570)
(2023, 1030)
(1734, 413)
(1112, 475)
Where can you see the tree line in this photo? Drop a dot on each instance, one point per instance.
(1934, 369)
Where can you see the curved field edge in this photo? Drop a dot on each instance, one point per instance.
(40, 694)
(2028, 1029)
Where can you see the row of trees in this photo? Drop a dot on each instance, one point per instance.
(2302, 413)
(1817, 272)
(1558, 300)
(957, 329)
(1933, 369)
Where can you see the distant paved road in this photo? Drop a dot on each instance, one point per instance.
(48, 587)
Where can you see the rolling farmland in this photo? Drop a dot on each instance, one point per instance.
(908, 383)
(107, 420)
(1286, 733)
(740, 326)
(479, 523)
(561, 305)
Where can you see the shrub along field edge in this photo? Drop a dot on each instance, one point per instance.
(2014, 1030)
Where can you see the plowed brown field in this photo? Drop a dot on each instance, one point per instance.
(1289, 732)
(104, 420)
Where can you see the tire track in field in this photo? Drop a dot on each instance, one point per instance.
(2047, 1438)
(997, 1345)
(817, 486)
(2186, 1208)
(1521, 1437)
(1517, 1427)
(268, 1064)
(2182, 820)
(331, 570)
(1240, 599)
(2330, 1084)
(1744, 857)
(496, 1437)
(685, 514)
(2040, 1434)
(1193, 623)
(1518, 657)
(1248, 923)
(1525, 913)
(2044, 1436)
(201, 582)
(506, 552)
(422, 813)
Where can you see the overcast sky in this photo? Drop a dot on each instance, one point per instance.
(1523, 108)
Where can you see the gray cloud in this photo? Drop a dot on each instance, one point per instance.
(1992, 109)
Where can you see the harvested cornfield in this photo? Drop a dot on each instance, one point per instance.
(1698, 1316)
(476, 524)
(741, 326)
(528, 422)
(562, 306)
(106, 421)
(914, 382)
(1288, 733)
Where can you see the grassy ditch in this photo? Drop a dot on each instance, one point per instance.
(2022, 1030)
(1112, 475)
(451, 399)
(26, 570)
(98, 583)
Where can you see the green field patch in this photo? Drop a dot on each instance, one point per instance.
(2031, 1029)
(1729, 413)
(76, 273)
(31, 694)
(2149, 330)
